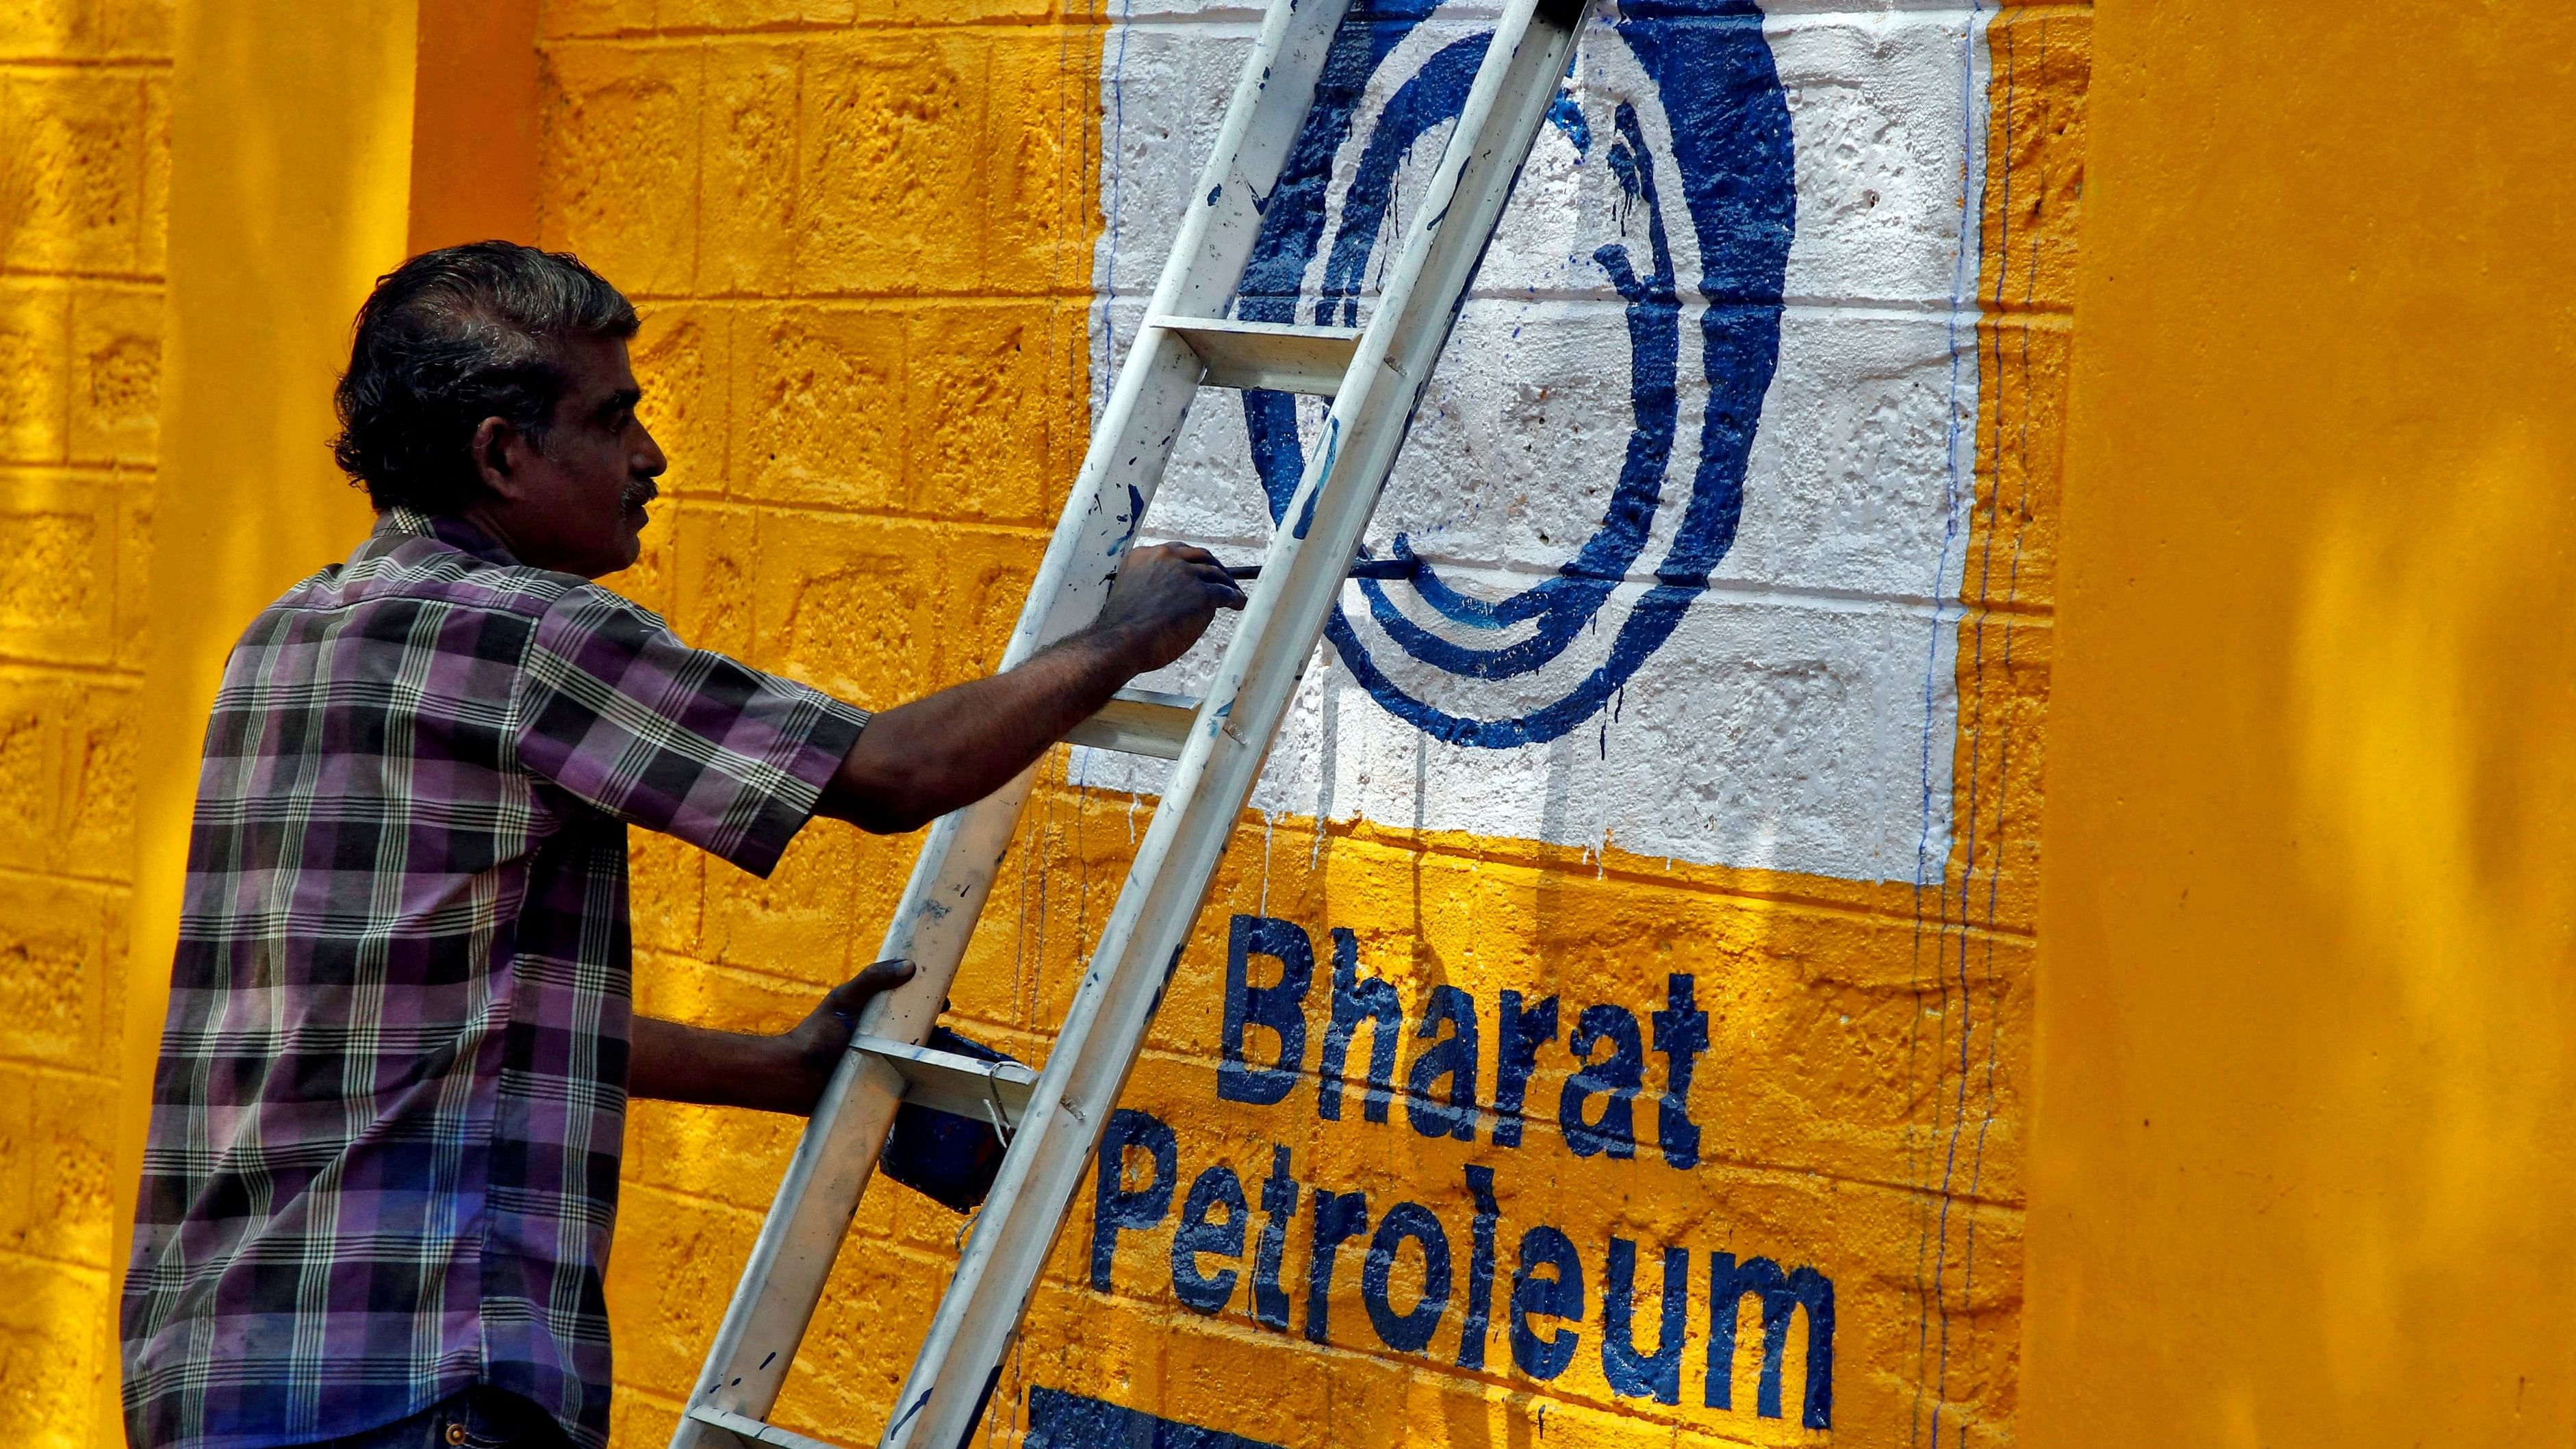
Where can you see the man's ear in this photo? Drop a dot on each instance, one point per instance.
(496, 443)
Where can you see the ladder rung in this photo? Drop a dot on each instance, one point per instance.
(751, 1431)
(1140, 722)
(1267, 354)
(995, 1092)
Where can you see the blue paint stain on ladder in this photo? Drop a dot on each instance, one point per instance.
(1134, 518)
(1059, 1420)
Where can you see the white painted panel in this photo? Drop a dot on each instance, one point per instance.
(1799, 716)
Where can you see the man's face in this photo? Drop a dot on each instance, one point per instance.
(577, 503)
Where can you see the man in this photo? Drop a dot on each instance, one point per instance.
(382, 1170)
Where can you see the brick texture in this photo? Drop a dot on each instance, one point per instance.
(864, 234)
(861, 235)
(83, 181)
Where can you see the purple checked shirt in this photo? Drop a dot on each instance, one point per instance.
(392, 1090)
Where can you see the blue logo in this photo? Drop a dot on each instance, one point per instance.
(1716, 119)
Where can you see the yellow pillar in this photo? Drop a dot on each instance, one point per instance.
(294, 184)
(2302, 1168)
(474, 123)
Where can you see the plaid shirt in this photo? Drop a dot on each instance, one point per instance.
(392, 1089)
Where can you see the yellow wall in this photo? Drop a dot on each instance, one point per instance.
(2290, 1144)
(195, 198)
(862, 244)
(84, 174)
(2302, 1170)
(864, 249)
(863, 239)
(290, 128)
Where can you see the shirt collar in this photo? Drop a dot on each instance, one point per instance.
(404, 521)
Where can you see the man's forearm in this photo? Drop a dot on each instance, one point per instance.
(918, 762)
(947, 750)
(676, 1063)
(782, 1073)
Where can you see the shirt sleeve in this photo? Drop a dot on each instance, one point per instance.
(612, 707)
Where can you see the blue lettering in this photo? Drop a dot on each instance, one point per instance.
(1616, 1076)
(1522, 1033)
(1339, 1217)
(1559, 1295)
(1681, 1034)
(1115, 1207)
(1406, 1332)
(1356, 1001)
(1480, 1270)
(1280, 1008)
(1454, 1057)
(1278, 1204)
(1781, 1294)
(1197, 1235)
(1657, 1375)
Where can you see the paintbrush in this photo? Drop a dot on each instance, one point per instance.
(1367, 568)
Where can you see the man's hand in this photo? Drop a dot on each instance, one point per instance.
(782, 1073)
(951, 749)
(1165, 597)
(816, 1043)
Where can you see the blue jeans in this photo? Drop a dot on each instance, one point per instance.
(474, 1419)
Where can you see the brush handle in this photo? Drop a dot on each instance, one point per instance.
(1367, 568)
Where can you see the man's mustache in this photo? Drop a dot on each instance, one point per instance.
(637, 493)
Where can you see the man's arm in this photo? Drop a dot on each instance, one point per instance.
(782, 1073)
(915, 763)
(939, 753)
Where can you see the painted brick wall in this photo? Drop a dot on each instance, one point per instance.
(872, 243)
(83, 175)
(868, 241)
(869, 244)
(870, 238)
(1862, 1107)
(861, 236)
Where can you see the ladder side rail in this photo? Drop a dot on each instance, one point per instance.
(1262, 121)
(782, 1282)
(836, 1155)
(944, 1397)
(1444, 244)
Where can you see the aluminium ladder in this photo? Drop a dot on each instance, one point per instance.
(1053, 1119)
